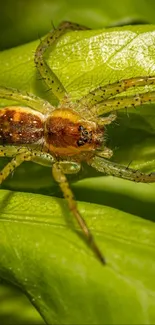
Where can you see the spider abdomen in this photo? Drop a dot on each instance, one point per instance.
(20, 125)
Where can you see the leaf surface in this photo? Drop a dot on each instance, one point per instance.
(41, 251)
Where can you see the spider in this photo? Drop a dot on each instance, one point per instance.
(72, 132)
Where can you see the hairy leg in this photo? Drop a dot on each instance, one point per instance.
(47, 74)
(117, 103)
(101, 94)
(21, 154)
(113, 169)
(13, 164)
(29, 100)
(68, 195)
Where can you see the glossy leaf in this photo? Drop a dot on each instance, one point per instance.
(44, 255)
(41, 251)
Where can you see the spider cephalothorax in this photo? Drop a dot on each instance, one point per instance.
(63, 136)
(66, 133)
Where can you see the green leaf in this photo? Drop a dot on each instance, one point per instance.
(16, 308)
(41, 251)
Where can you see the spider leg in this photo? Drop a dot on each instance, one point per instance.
(21, 154)
(105, 153)
(117, 103)
(113, 169)
(46, 159)
(106, 120)
(10, 151)
(13, 164)
(47, 74)
(61, 179)
(100, 94)
(28, 99)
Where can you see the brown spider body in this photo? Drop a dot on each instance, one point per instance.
(68, 134)
(62, 133)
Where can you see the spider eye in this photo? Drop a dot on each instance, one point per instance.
(80, 128)
(85, 132)
(80, 143)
